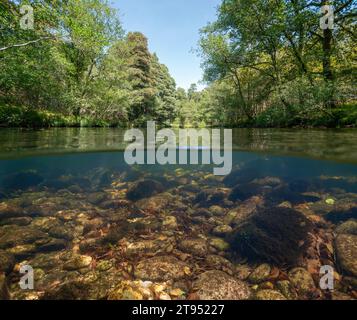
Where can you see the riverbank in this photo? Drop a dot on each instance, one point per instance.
(22, 117)
(342, 117)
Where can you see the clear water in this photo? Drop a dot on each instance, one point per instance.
(68, 209)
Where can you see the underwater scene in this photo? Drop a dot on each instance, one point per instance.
(281, 226)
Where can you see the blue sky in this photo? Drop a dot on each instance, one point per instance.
(172, 27)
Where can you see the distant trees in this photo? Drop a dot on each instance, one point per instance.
(78, 61)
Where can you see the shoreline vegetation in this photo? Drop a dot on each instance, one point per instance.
(21, 117)
(266, 65)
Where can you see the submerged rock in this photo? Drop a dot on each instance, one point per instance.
(340, 296)
(287, 289)
(161, 268)
(7, 261)
(22, 180)
(45, 223)
(71, 183)
(217, 211)
(244, 192)
(70, 290)
(73, 286)
(77, 262)
(274, 235)
(23, 251)
(210, 197)
(131, 290)
(283, 194)
(144, 189)
(11, 236)
(8, 211)
(269, 295)
(346, 253)
(53, 245)
(268, 181)
(217, 285)
(20, 221)
(337, 216)
(101, 177)
(4, 291)
(45, 261)
(218, 262)
(244, 211)
(97, 197)
(219, 244)
(144, 247)
(348, 227)
(222, 230)
(302, 280)
(196, 247)
(260, 274)
(170, 223)
(157, 203)
(242, 176)
(243, 271)
(61, 232)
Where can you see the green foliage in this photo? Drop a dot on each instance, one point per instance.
(24, 117)
(79, 63)
(284, 70)
(267, 64)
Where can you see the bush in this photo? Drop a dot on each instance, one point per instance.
(23, 117)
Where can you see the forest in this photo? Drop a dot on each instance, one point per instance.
(267, 63)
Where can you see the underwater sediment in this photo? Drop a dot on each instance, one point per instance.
(176, 234)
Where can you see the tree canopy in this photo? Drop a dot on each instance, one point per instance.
(77, 60)
(274, 59)
(265, 62)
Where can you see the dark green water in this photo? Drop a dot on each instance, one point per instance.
(89, 224)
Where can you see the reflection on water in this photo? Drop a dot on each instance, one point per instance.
(337, 145)
(93, 227)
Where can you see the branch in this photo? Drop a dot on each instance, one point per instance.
(346, 16)
(343, 6)
(25, 44)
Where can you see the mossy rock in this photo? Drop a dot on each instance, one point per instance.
(302, 280)
(260, 274)
(269, 295)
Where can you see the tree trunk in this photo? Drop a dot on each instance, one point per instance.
(327, 40)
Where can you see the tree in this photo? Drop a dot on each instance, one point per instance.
(267, 47)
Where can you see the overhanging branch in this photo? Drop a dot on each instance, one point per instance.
(25, 44)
